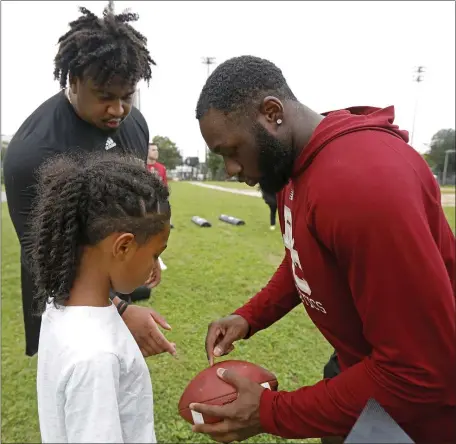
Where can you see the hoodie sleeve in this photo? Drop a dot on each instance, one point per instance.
(273, 302)
(376, 224)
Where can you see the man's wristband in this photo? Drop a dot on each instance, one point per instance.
(122, 306)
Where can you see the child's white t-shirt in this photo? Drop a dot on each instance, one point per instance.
(93, 383)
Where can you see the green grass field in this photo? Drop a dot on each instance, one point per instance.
(210, 272)
(206, 279)
(450, 214)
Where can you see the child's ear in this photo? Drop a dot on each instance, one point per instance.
(123, 246)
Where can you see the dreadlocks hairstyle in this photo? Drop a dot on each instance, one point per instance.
(103, 48)
(240, 82)
(82, 200)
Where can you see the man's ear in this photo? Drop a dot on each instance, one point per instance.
(272, 109)
(124, 246)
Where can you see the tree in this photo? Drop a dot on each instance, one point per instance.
(215, 165)
(169, 154)
(442, 141)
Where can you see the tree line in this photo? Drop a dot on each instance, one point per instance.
(442, 143)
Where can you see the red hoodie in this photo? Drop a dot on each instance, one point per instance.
(370, 254)
(160, 169)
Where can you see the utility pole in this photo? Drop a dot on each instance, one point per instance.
(207, 61)
(418, 78)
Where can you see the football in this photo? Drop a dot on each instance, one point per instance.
(207, 388)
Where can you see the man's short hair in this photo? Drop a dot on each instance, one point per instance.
(241, 82)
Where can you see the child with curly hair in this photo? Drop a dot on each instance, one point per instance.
(99, 224)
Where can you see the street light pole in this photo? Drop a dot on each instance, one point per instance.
(445, 166)
(419, 77)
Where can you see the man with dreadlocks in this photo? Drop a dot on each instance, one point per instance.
(98, 64)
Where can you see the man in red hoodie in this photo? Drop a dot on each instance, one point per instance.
(368, 252)
(153, 165)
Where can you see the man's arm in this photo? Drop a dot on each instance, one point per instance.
(381, 240)
(142, 323)
(142, 127)
(20, 167)
(91, 401)
(273, 302)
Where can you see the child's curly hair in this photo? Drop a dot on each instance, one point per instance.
(81, 200)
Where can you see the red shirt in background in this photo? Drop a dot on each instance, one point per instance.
(160, 169)
(370, 255)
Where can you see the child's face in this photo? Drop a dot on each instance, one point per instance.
(132, 263)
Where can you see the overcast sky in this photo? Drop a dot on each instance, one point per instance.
(333, 54)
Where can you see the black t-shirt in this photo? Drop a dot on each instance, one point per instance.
(54, 128)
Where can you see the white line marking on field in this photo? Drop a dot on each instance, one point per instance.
(448, 199)
(228, 190)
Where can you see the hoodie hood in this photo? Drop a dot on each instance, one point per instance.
(345, 121)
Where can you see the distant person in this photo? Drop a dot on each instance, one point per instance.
(271, 202)
(368, 252)
(154, 165)
(98, 64)
(100, 223)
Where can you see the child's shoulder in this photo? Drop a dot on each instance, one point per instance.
(83, 331)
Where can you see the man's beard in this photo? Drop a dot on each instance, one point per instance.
(275, 160)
